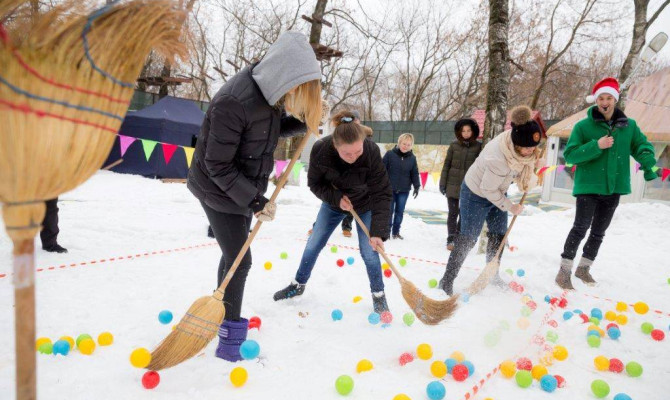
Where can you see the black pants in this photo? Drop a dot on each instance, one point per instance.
(231, 231)
(49, 233)
(453, 221)
(593, 211)
(346, 222)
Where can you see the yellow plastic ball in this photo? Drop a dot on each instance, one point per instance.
(105, 339)
(364, 365)
(560, 353)
(508, 368)
(523, 323)
(87, 346)
(267, 265)
(621, 306)
(238, 376)
(547, 359)
(438, 369)
(458, 356)
(357, 299)
(385, 266)
(68, 339)
(602, 363)
(641, 307)
(610, 315)
(424, 351)
(621, 319)
(525, 299)
(601, 332)
(401, 396)
(41, 341)
(538, 371)
(140, 358)
(592, 328)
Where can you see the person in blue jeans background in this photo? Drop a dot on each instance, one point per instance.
(403, 173)
(346, 172)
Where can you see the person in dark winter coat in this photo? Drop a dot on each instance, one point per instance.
(233, 157)
(461, 155)
(403, 173)
(600, 146)
(49, 232)
(346, 172)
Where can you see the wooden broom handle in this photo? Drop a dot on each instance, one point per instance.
(380, 251)
(257, 226)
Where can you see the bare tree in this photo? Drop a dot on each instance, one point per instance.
(499, 69)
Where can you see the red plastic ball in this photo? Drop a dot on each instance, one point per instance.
(585, 318)
(150, 379)
(406, 358)
(553, 301)
(657, 335)
(387, 317)
(524, 363)
(387, 273)
(563, 303)
(553, 323)
(532, 305)
(560, 380)
(255, 322)
(460, 372)
(340, 263)
(612, 325)
(616, 365)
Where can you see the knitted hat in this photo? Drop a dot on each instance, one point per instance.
(525, 131)
(607, 85)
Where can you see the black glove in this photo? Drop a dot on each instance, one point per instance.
(258, 203)
(416, 192)
(443, 190)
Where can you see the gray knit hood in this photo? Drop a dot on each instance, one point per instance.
(289, 62)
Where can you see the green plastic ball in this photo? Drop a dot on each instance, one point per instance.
(552, 336)
(82, 337)
(402, 262)
(526, 311)
(283, 255)
(432, 283)
(408, 318)
(647, 327)
(595, 321)
(509, 271)
(344, 385)
(600, 388)
(333, 249)
(45, 348)
(523, 378)
(633, 369)
(593, 341)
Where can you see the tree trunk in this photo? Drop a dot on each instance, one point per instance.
(499, 69)
(319, 10)
(165, 72)
(639, 33)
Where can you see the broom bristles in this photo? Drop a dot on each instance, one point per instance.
(429, 311)
(195, 330)
(484, 277)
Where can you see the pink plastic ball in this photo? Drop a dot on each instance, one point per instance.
(406, 358)
(524, 363)
(387, 317)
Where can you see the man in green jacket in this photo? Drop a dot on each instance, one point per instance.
(600, 146)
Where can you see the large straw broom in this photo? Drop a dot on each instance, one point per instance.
(429, 311)
(66, 79)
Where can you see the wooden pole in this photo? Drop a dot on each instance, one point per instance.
(24, 319)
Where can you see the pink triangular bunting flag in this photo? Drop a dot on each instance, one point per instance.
(665, 173)
(560, 168)
(125, 142)
(424, 178)
(168, 151)
(279, 167)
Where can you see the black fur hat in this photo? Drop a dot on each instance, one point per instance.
(525, 131)
(473, 126)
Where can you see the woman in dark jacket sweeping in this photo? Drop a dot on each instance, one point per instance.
(346, 172)
(233, 157)
(461, 154)
(403, 173)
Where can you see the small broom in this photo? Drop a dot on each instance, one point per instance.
(64, 89)
(429, 311)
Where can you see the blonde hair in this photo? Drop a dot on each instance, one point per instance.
(406, 136)
(305, 104)
(346, 130)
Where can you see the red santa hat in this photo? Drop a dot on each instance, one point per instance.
(607, 85)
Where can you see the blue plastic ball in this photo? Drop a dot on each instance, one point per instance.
(249, 349)
(520, 272)
(350, 260)
(61, 347)
(435, 390)
(548, 383)
(336, 314)
(614, 333)
(470, 366)
(593, 333)
(374, 318)
(547, 299)
(567, 315)
(622, 396)
(577, 311)
(451, 362)
(597, 313)
(165, 317)
(465, 297)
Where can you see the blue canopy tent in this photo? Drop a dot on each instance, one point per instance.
(171, 120)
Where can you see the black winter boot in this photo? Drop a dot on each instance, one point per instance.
(292, 290)
(462, 246)
(494, 241)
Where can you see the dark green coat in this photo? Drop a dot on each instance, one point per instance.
(607, 171)
(460, 156)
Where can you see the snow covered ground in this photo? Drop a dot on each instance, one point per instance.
(303, 350)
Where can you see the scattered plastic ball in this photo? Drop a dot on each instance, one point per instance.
(593, 341)
(633, 369)
(538, 371)
(283, 255)
(150, 379)
(40, 341)
(460, 372)
(647, 327)
(621, 306)
(438, 369)
(509, 272)
(616, 365)
(405, 358)
(424, 351)
(595, 321)
(46, 348)
(597, 313)
(140, 358)
(165, 317)
(641, 307)
(523, 323)
(350, 260)
(610, 315)
(87, 346)
(255, 322)
(386, 317)
(344, 384)
(547, 359)
(69, 340)
(387, 273)
(560, 353)
(657, 335)
(385, 266)
(602, 363)
(340, 262)
(552, 336)
(401, 396)
(621, 319)
(82, 337)
(267, 265)
(374, 318)
(532, 305)
(458, 356)
(402, 262)
(363, 366)
(61, 347)
(238, 376)
(600, 388)
(105, 339)
(432, 283)
(584, 318)
(612, 325)
(523, 378)
(526, 311)
(470, 366)
(436, 390)
(577, 311)
(524, 363)
(408, 318)
(249, 349)
(560, 380)
(508, 368)
(593, 332)
(622, 396)
(336, 315)
(357, 299)
(547, 298)
(520, 272)
(548, 383)
(333, 249)
(614, 333)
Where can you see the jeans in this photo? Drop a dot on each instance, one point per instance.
(326, 221)
(453, 222)
(594, 211)
(475, 210)
(397, 209)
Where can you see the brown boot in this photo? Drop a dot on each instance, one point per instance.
(346, 233)
(583, 271)
(564, 273)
